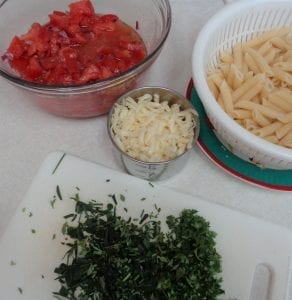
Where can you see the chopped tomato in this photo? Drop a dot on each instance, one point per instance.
(76, 47)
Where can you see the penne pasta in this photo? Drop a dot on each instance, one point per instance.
(276, 32)
(259, 118)
(267, 130)
(226, 97)
(260, 61)
(253, 85)
(282, 131)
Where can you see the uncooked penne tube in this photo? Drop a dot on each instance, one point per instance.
(278, 42)
(282, 75)
(278, 101)
(266, 111)
(272, 139)
(287, 140)
(259, 118)
(268, 130)
(285, 95)
(260, 61)
(213, 88)
(250, 124)
(246, 86)
(287, 118)
(226, 97)
(217, 78)
(226, 58)
(284, 65)
(252, 92)
(251, 63)
(282, 131)
(265, 47)
(242, 114)
(271, 55)
(267, 36)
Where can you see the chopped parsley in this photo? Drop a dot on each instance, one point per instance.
(112, 257)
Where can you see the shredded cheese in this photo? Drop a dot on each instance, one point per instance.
(151, 130)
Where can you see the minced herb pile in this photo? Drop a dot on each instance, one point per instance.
(115, 257)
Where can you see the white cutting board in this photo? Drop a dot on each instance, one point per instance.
(27, 259)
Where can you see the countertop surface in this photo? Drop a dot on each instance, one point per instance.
(28, 134)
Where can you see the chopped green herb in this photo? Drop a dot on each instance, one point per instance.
(33, 231)
(109, 257)
(54, 236)
(122, 198)
(58, 163)
(30, 214)
(23, 209)
(143, 199)
(43, 276)
(125, 209)
(20, 290)
(108, 180)
(77, 188)
(52, 202)
(12, 263)
(59, 193)
(151, 184)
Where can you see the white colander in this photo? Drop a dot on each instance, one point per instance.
(238, 22)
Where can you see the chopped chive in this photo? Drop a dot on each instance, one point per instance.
(59, 192)
(12, 263)
(57, 165)
(150, 183)
(52, 202)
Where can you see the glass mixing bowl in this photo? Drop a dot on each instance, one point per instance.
(151, 18)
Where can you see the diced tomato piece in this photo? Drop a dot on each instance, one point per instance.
(69, 57)
(59, 19)
(83, 7)
(17, 47)
(109, 18)
(34, 69)
(91, 73)
(19, 64)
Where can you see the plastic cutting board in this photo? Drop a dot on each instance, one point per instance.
(31, 246)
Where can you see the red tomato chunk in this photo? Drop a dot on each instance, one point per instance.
(76, 47)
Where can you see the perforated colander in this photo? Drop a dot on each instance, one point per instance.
(238, 22)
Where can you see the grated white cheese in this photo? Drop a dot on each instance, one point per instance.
(150, 130)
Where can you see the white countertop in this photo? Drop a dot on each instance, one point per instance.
(28, 134)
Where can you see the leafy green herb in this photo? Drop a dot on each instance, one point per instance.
(20, 290)
(111, 258)
(122, 198)
(33, 231)
(52, 202)
(12, 263)
(54, 236)
(59, 193)
(30, 214)
(151, 184)
(143, 199)
(108, 180)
